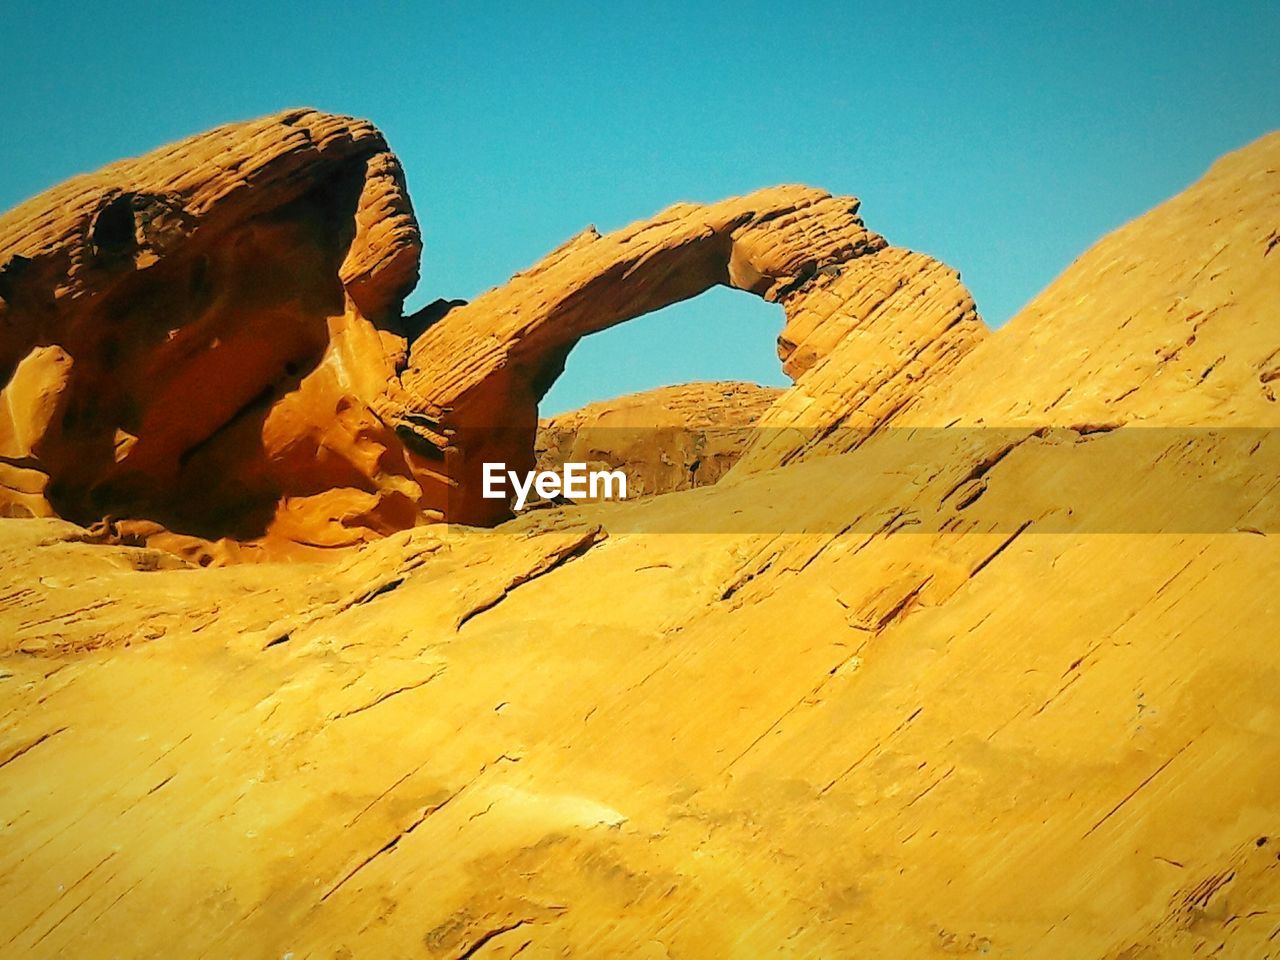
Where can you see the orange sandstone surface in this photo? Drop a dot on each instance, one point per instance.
(205, 348)
(835, 703)
(191, 341)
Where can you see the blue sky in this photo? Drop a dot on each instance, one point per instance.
(999, 138)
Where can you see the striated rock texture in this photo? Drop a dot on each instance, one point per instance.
(194, 338)
(861, 342)
(204, 348)
(941, 719)
(666, 439)
(474, 378)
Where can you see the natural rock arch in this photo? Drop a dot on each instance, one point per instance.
(209, 340)
(470, 392)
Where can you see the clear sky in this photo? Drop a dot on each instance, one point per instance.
(1000, 138)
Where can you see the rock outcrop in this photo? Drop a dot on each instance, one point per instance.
(204, 348)
(666, 439)
(191, 341)
(936, 716)
(862, 342)
(474, 378)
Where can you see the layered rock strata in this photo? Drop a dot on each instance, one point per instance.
(205, 348)
(474, 379)
(191, 342)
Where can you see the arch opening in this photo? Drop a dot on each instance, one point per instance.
(670, 397)
(721, 335)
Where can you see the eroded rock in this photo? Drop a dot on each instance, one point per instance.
(204, 348)
(912, 729)
(666, 439)
(196, 337)
(474, 379)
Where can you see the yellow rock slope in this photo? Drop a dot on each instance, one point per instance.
(855, 706)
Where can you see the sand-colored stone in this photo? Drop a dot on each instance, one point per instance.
(861, 343)
(474, 378)
(195, 338)
(231, 307)
(666, 439)
(915, 730)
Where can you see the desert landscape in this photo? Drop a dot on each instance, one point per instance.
(275, 681)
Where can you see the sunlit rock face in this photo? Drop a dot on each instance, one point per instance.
(205, 348)
(191, 341)
(931, 715)
(474, 379)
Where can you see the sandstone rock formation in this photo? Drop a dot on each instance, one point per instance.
(862, 342)
(943, 718)
(667, 439)
(194, 338)
(272, 258)
(474, 379)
